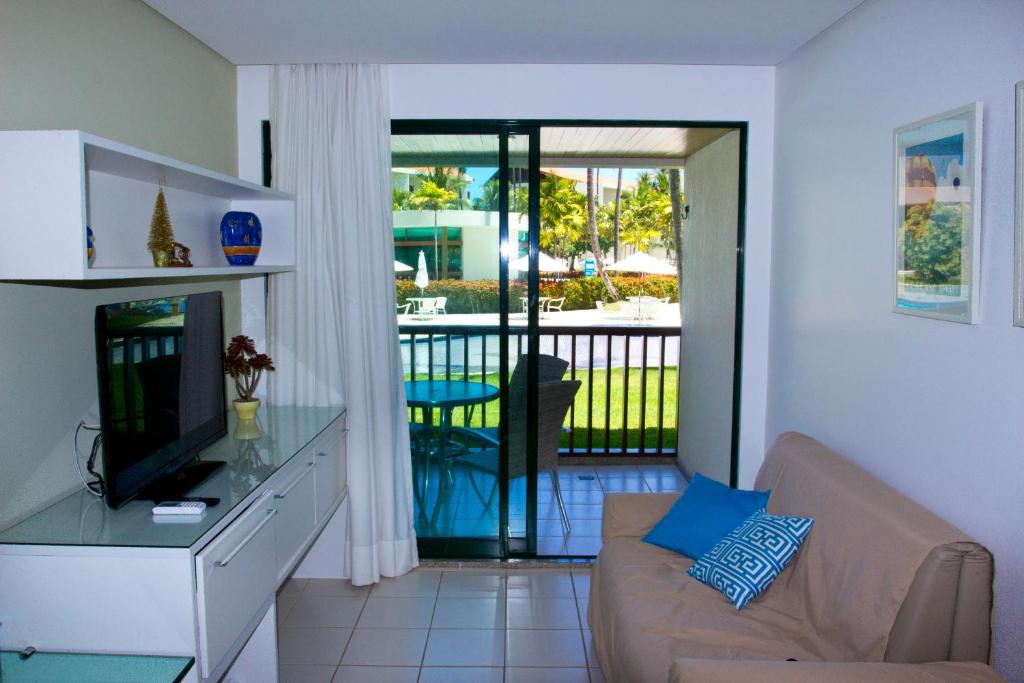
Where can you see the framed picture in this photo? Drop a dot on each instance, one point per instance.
(1018, 186)
(938, 215)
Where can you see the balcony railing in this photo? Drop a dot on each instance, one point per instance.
(627, 404)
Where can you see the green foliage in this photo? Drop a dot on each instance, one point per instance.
(399, 199)
(563, 218)
(481, 296)
(931, 246)
(452, 179)
(647, 212)
(429, 196)
(518, 198)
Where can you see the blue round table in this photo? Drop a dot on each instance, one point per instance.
(446, 396)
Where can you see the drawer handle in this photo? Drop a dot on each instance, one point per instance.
(245, 541)
(293, 484)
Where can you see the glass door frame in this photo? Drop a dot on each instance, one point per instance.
(504, 545)
(533, 127)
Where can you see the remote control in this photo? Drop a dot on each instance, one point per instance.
(187, 507)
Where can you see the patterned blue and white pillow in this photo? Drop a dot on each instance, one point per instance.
(744, 563)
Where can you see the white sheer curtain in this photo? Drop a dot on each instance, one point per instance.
(332, 329)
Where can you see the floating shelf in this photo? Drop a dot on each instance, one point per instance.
(55, 183)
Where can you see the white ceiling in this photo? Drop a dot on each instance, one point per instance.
(756, 32)
(560, 146)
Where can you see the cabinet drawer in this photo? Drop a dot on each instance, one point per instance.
(295, 500)
(235, 576)
(329, 475)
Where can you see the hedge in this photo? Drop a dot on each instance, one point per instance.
(481, 296)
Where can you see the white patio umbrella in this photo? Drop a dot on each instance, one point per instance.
(644, 263)
(401, 267)
(545, 264)
(421, 272)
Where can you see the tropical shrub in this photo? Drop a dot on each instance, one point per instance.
(481, 296)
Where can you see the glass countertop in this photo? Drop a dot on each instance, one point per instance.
(46, 667)
(82, 519)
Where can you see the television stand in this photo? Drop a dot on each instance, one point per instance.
(202, 586)
(178, 483)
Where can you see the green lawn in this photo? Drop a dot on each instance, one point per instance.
(488, 413)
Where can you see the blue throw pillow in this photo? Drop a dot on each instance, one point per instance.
(751, 556)
(703, 515)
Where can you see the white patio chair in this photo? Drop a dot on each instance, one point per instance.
(556, 304)
(403, 309)
(427, 309)
(439, 305)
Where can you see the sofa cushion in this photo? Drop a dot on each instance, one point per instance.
(744, 563)
(703, 515)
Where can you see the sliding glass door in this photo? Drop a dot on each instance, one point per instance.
(466, 308)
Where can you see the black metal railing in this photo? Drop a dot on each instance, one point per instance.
(627, 404)
(134, 347)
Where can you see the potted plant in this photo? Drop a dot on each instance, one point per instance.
(246, 367)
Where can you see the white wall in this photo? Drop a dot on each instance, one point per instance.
(119, 69)
(593, 91)
(934, 408)
(708, 294)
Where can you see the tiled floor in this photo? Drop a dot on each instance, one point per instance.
(464, 508)
(521, 626)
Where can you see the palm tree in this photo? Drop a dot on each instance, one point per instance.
(647, 214)
(562, 217)
(429, 196)
(399, 199)
(595, 242)
(453, 179)
(618, 214)
(488, 199)
(676, 198)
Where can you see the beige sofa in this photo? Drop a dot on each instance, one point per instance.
(879, 583)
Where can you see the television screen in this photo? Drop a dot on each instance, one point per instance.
(161, 386)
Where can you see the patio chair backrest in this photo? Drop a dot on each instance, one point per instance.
(556, 304)
(440, 302)
(556, 397)
(549, 369)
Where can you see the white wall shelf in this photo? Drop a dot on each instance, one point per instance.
(55, 183)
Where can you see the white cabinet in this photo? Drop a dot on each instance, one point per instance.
(205, 597)
(330, 475)
(234, 575)
(295, 503)
(55, 183)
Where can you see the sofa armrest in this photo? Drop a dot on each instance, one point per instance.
(633, 514)
(735, 671)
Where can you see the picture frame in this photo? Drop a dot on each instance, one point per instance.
(1018, 210)
(937, 215)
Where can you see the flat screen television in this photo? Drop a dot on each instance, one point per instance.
(161, 391)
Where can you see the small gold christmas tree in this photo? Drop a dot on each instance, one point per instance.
(161, 234)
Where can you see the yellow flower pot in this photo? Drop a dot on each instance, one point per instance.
(246, 409)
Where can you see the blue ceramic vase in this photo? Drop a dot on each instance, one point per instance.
(241, 236)
(90, 246)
